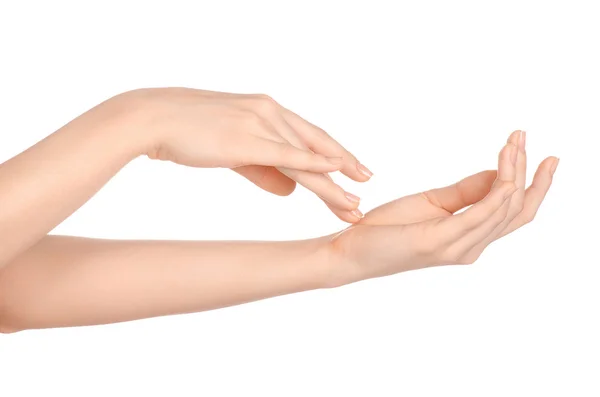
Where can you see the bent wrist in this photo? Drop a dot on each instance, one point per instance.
(129, 116)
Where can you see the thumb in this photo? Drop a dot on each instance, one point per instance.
(267, 178)
(464, 192)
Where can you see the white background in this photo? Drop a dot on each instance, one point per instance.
(424, 93)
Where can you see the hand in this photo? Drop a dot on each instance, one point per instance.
(251, 134)
(423, 230)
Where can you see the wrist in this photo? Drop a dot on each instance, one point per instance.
(335, 268)
(131, 115)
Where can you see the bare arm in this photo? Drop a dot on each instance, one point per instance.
(45, 184)
(67, 281)
(261, 140)
(64, 281)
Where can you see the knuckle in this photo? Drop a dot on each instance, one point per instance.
(253, 120)
(528, 217)
(507, 188)
(518, 203)
(450, 256)
(265, 103)
(472, 256)
(454, 257)
(288, 155)
(469, 260)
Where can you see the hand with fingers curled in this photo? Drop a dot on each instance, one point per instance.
(424, 230)
(250, 133)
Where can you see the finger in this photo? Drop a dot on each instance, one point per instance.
(474, 219)
(344, 207)
(346, 216)
(514, 207)
(320, 142)
(463, 193)
(518, 139)
(267, 178)
(259, 151)
(534, 195)
(288, 133)
(325, 188)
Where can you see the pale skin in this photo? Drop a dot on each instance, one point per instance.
(58, 281)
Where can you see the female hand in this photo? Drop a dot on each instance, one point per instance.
(251, 134)
(420, 230)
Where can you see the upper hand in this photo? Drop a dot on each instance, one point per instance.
(251, 134)
(424, 230)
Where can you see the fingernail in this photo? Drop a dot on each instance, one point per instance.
(553, 168)
(364, 170)
(357, 214)
(351, 197)
(522, 141)
(513, 154)
(514, 137)
(335, 160)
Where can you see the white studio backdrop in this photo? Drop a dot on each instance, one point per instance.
(424, 93)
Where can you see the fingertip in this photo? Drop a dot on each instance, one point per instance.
(514, 137)
(554, 165)
(346, 216)
(364, 170)
(357, 171)
(548, 159)
(547, 164)
(286, 191)
(355, 216)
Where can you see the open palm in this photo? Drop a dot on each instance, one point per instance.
(425, 229)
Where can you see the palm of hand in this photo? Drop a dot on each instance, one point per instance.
(424, 229)
(406, 210)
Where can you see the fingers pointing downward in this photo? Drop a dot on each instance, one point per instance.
(320, 142)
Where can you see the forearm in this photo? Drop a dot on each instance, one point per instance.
(45, 184)
(68, 281)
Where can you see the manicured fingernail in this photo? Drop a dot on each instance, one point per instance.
(513, 154)
(357, 214)
(553, 168)
(351, 197)
(364, 170)
(335, 160)
(522, 141)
